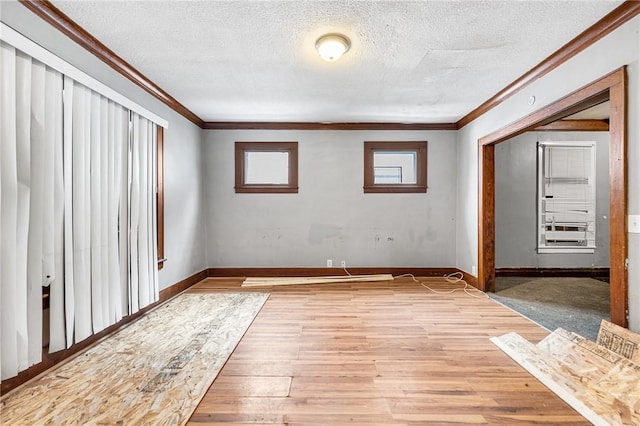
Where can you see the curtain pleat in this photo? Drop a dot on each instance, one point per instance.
(134, 216)
(77, 210)
(105, 124)
(121, 184)
(9, 314)
(69, 276)
(35, 250)
(23, 161)
(143, 231)
(117, 239)
(95, 167)
(54, 221)
(81, 151)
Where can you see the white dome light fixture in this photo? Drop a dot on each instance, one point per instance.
(331, 47)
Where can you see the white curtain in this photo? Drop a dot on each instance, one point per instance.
(77, 210)
(143, 237)
(98, 143)
(30, 203)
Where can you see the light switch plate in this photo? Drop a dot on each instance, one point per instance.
(634, 223)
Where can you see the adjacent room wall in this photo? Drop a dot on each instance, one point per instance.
(516, 203)
(613, 51)
(184, 241)
(330, 217)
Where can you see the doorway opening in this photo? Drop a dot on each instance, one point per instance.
(612, 88)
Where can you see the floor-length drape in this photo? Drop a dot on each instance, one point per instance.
(77, 210)
(98, 143)
(143, 238)
(53, 261)
(13, 322)
(31, 104)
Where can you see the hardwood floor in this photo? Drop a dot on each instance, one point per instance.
(377, 354)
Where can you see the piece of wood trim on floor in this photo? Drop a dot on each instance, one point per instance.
(619, 340)
(270, 281)
(51, 359)
(544, 368)
(553, 272)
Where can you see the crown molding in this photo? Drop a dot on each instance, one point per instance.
(619, 16)
(55, 17)
(609, 23)
(264, 125)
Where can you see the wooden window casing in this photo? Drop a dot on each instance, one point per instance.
(419, 148)
(291, 148)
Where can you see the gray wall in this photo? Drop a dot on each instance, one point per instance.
(516, 207)
(608, 54)
(184, 243)
(330, 217)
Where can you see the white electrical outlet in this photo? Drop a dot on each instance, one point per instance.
(343, 263)
(634, 223)
(329, 263)
(473, 270)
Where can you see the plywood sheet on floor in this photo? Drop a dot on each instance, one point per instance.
(155, 371)
(602, 385)
(620, 340)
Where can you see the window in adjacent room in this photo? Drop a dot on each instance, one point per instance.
(395, 167)
(566, 197)
(266, 167)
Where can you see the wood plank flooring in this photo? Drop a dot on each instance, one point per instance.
(377, 354)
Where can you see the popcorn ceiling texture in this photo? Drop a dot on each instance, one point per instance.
(418, 61)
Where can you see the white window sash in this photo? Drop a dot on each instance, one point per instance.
(573, 203)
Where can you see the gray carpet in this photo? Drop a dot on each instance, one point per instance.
(575, 304)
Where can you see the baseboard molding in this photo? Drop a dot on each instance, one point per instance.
(51, 359)
(470, 279)
(553, 272)
(181, 286)
(319, 272)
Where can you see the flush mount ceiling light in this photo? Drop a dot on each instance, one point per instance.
(332, 46)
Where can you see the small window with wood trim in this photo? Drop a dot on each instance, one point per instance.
(395, 167)
(266, 167)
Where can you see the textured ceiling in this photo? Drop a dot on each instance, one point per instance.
(410, 61)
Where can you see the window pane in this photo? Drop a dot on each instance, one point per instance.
(394, 167)
(266, 167)
(387, 174)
